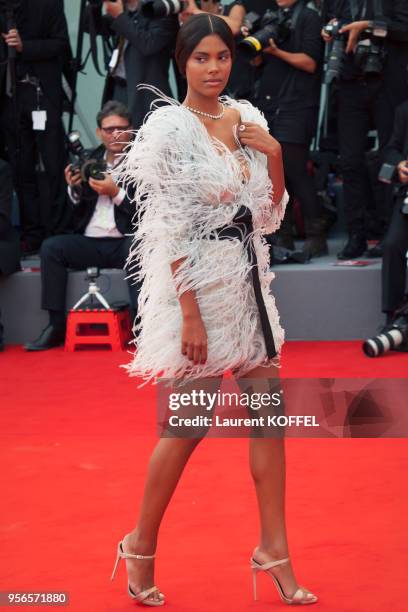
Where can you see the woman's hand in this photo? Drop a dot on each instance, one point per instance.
(194, 339)
(254, 136)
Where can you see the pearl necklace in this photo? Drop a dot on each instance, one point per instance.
(198, 112)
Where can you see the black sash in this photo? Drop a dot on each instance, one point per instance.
(241, 228)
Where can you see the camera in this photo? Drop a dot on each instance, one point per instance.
(87, 166)
(388, 175)
(369, 55)
(153, 9)
(92, 274)
(272, 25)
(393, 336)
(337, 50)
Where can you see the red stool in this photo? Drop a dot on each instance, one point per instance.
(84, 328)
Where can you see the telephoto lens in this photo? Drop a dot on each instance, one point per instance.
(392, 337)
(154, 9)
(274, 26)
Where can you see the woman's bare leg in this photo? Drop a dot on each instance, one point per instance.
(165, 468)
(268, 470)
(166, 465)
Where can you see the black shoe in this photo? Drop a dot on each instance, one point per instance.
(49, 338)
(315, 244)
(375, 251)
(355, 247)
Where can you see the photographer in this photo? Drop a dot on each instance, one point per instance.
(39, 40)
(288, 92)
(394, 264)
(9, 241)
(102, 217)
(143, 48)
(370, 86)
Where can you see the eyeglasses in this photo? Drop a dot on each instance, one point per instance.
(115, 128)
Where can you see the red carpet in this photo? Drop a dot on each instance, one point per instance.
(76, 435)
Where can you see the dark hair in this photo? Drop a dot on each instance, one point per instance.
(194, 30)
(113, 108)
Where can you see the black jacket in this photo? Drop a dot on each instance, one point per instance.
(83, 211)
(43, 30)
(397, 147)
(147, 59)
(395, 13)
(9, 240)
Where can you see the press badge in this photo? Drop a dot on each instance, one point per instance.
(39, 120)
(114, 59)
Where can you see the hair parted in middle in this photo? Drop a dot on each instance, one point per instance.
(194, 30)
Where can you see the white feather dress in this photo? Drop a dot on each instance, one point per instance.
(188, 185)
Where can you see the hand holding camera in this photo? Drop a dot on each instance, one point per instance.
(105, 186)
(273, 47)
(13, 39)
(354, 31)
(72, 176)
(403, 172)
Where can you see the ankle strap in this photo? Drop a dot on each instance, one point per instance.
(131, 556)
(270, 564)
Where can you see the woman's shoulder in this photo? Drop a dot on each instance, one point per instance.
(247, 111)
(169, 121)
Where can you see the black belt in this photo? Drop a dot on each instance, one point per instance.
(241, 228)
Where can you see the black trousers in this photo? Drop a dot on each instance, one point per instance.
(45, 209)
(361, 104)
(394, 263)
(79, 252)
(299, 182)
(295, 130)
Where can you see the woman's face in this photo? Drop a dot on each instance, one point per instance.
(209, 66)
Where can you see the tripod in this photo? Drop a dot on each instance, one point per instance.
(92, 293)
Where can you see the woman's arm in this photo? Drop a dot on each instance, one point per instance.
(276, 172)
(255, 136)
(194, 335)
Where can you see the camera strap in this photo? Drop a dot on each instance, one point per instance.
(291, 72)
(357, 12)
(378, 9)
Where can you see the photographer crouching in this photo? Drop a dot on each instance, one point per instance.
(102, 216)
(370, 39)
(394, 265)
(283, 40)
(394, 335)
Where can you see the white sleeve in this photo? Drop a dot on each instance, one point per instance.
(73, 196)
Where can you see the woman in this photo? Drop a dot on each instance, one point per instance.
(204, 188)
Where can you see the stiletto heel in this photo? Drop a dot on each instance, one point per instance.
(142, 596)
(254, 579)
(301, 596)
(115, 567)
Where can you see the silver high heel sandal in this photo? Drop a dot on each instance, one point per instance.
(302, 596)
(142, 596)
